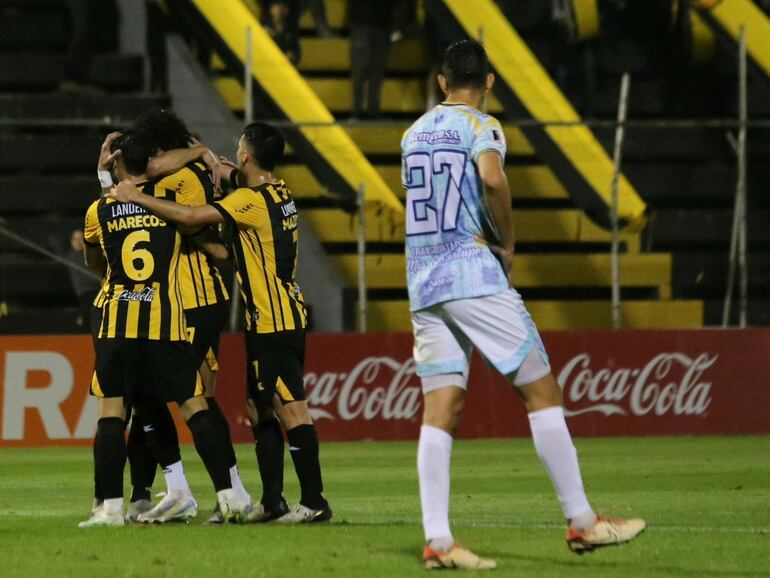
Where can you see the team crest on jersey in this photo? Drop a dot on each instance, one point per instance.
(437, 137)
(147, 295)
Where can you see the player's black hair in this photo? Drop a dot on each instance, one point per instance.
(265, 143)
(135, 151)
(465, 65)
(165, 128)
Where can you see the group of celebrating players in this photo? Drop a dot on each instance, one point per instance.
(162, 307)
(157, 235)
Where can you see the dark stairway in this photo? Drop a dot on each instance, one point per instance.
(49, 145)
(687, 176)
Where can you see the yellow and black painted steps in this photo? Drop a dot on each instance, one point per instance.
(281, 92)
(558, 227)
(393, 315)
(533, 271)
(526, 90)
(727, 17)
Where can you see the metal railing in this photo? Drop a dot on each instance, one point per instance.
(738, 260)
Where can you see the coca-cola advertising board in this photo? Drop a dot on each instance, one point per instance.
(365, 387)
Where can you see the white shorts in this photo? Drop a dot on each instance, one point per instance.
(499, 326)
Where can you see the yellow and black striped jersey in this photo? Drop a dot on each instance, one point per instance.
(264, 241)
(140, 296)
(201, 283)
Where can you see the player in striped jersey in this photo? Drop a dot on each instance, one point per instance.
(142, 348)
(204, 296)
(263, 220)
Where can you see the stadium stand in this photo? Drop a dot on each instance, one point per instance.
(548, 223)
(673, 272)
(49, 143)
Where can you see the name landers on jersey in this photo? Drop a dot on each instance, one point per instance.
(130, 216)
(289, 210)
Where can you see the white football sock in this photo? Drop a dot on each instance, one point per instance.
(236, 483)
(554, 446)
(434, 456)
(175, 479)
(112, 506)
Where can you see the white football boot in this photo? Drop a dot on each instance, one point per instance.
(175, 506)
(234, 506)
(109, 514)
(605, 532)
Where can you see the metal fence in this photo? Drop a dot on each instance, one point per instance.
(738, 260)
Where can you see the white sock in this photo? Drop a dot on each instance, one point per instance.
(554, 446)
(113, 506)
(175, 478)
(235, 481)
(434, 456)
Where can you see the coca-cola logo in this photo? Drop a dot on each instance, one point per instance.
(377, 387)
(670, 383)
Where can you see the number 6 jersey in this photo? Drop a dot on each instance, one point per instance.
(445, 206)
(140, 296)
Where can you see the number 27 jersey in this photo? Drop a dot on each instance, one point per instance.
(445, 206)
(141, 297)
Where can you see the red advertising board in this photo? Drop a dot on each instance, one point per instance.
(365, 387)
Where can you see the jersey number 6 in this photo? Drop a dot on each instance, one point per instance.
(130, 255)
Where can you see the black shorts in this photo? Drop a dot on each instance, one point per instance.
(204, 326)
(163, 370)
(275, 365)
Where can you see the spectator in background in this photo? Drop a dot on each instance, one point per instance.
(296, 7)
(370, 24)
(281, 19)
(318, 7)
(84, 286)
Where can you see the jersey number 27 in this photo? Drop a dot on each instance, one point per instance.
(421, 210)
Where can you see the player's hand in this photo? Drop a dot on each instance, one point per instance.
(505, 254)
(212, 162)
(125, 192)
(106, 158)
(227, 162)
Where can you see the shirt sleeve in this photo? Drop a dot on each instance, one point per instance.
(247, 209)
(488, 136)
(92, 230)
(187, 186)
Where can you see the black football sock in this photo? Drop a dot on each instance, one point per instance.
(160, 433)
(140, 461)
(110, 456)
(211, 447)
(303, 447)
(224, 426)
(98, 492)
(268, 445)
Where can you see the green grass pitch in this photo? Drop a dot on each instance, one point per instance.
(706, 501)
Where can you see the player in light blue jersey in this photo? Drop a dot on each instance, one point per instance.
(459, 250)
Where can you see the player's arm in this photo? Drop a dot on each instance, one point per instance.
(498, 195)
(174, 160)
(92, 250)
(105, 162)
(191, 219)
(210, 242)
(94, 259)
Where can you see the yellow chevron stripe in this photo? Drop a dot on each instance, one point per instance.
(732, 14)
(521, 71)
(273, 71)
